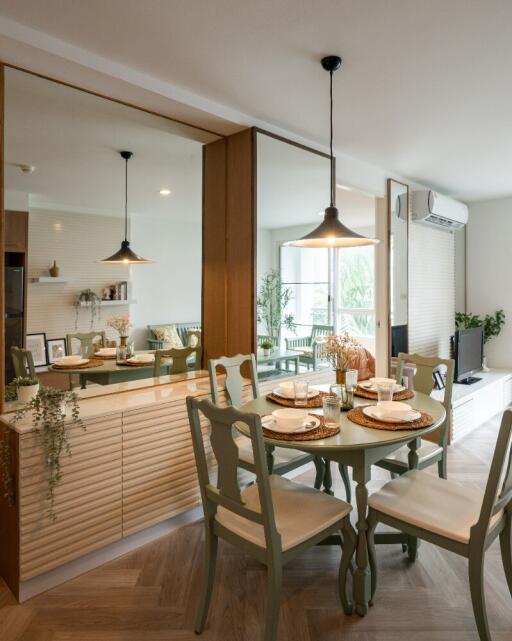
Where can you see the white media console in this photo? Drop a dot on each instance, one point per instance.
(474, 404)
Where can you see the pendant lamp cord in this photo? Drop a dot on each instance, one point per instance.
(332, 156)
(126, 200)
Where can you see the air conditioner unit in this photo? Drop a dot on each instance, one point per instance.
(439, 211)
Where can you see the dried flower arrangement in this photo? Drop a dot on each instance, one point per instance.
(121, 324)
(341, 349)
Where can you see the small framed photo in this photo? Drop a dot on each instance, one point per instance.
(438, 380)
(36, 344)
(56, 348)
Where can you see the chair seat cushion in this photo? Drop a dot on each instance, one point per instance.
(300, 512)
(427, 451)
(431, 503)
(282, 455)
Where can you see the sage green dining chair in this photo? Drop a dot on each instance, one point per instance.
(273, 520)
(454, 516)
(179, 358)
(429, 453)
(280, 459)
(23, 362)
(86, 342)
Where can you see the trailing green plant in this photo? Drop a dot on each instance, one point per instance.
(492, 323)
(11, 389)
(88, 298)
(271, 303)
(49, 423)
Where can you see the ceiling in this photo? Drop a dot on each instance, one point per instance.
(74, 138)
(423, 91)
(293, 188)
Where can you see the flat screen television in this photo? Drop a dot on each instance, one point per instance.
(468, 353)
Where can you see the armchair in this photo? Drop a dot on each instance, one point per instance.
(310, 347)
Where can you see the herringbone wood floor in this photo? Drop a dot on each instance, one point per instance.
(151, 594)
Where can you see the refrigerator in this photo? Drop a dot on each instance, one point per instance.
(14, 304)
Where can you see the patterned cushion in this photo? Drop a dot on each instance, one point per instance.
(169, 336)
(193, 337)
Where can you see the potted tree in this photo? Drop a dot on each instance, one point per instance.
(272, 301)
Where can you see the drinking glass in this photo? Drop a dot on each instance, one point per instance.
(351, 376)
(300, 389)
(331, 407)
(385, 392)
(405, 382)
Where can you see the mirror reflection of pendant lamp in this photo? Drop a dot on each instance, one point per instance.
(332, 232)
(125, 255)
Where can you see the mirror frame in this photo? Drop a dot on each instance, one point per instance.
(389, 183)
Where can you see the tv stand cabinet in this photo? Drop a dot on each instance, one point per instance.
(475, 404)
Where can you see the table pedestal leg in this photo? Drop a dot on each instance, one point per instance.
(412, 541)
(362, 583)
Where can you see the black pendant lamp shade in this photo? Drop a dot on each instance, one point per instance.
(332, 232)
(125, 256)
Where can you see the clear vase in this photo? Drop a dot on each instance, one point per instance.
(124, 350)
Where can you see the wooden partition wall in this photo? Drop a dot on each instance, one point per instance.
(229, 242)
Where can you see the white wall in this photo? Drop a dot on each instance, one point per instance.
(76, 242)
(488, 233)
(168, 291)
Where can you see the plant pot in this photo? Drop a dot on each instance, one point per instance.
(341, 376)
(266, 353)
(26, 393)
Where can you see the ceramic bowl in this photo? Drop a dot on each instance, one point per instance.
(289, 419)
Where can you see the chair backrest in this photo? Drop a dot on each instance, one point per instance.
(317, 331)
(234, 382)
(423, 380)
(86, 341)
(227, 492)
(179, 359)
(23, 362)
(498, 492)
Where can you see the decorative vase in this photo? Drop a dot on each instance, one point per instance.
(26, 393)
(485, 368)
(54, 270)
(124, 350)
(341, 376)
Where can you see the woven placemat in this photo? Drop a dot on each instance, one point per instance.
(128, 364)
(311, 435)
(94, 362)
(372, 396)
(356, 416)
(314, 402)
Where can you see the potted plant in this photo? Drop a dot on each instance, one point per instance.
(272, 302)
(267, 347)
(51, 423)
(341, 350)
(492, 325)
(88, 298)
(24, 388)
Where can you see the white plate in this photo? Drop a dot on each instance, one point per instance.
(311, 394)
(139, 359)
(374, 412)
(82, 361)
(370, 387)
(312, 422)
(106, 351)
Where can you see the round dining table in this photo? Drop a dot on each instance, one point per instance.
(359, 447)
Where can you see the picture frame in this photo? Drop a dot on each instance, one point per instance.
(36, 345)
(52, 344)
(438, 380)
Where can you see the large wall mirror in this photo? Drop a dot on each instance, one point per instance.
(322, 290)
(64, 205)
(398, 208)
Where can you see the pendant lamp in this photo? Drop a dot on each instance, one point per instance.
(125, 255)
(332, 232)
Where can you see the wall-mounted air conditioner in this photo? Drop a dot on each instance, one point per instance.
(440, 211)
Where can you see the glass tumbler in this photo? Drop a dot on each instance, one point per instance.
(300, 390)
(385, 392)
(345, 393)
(331, 407)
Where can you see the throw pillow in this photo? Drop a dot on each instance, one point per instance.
(168, 335)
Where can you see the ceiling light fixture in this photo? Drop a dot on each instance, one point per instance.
(125, 255)
(165, 192)
(332, 232)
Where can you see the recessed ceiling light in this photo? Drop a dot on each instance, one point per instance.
(165, 192)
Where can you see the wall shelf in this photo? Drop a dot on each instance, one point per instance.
(111, 303)
(50, 279)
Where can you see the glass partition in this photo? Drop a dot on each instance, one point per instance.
(65, 196)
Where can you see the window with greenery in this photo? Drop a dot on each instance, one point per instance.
(356, 286)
